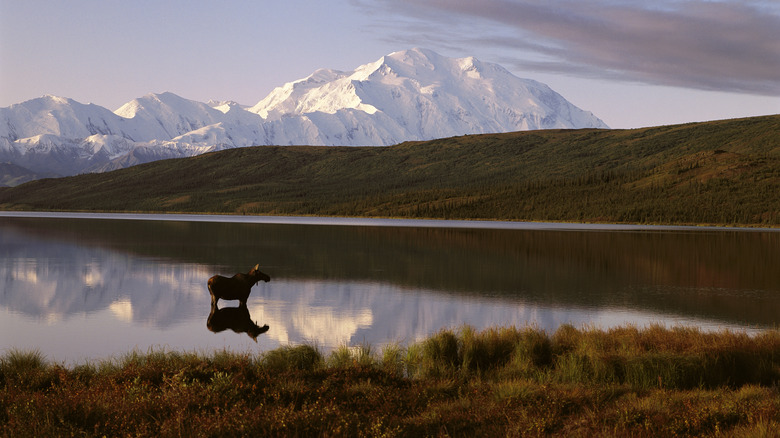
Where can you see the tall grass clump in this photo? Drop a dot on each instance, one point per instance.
(345, 356)
(154, 365)
(393, 359)
(412, 359)
(25, 368)
(226, 359)
(341, 357)
(532, 354)
(439, 355)
(489, 350)
(287, 358)
(19, 362)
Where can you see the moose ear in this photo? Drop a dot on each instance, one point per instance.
(257, 267)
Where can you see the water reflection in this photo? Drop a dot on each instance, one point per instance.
(236, 319)
(92, 288)
(51, 281)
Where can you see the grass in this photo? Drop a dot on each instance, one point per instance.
(723, 172)
(498, 382)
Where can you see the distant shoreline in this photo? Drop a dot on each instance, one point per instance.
(374, 222)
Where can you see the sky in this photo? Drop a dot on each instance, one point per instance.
(633, 63)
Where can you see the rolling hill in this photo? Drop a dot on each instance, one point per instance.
(719, 172)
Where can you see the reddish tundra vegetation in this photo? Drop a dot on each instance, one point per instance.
(499, 382)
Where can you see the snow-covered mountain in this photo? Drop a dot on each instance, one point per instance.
(414, 94)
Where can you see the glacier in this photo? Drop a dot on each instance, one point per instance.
(409, 95)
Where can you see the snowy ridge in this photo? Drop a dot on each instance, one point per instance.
(414, 94)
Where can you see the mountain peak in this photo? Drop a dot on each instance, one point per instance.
(416, 56)
(412, 63)
(48, 101)
(151, 101)
(57, 99)
(424, 95)
(225, 106)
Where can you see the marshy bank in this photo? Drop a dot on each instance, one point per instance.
(652, 381)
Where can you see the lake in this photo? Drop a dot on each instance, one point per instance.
(80, 286)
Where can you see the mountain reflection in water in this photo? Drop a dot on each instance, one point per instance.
(80, 288)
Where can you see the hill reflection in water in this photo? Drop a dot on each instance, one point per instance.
(79, 288)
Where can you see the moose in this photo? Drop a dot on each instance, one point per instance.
(237, 287)
(236, 319)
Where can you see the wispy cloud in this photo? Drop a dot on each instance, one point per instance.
(729, 45)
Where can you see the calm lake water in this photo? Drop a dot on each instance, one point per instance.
(88, 287)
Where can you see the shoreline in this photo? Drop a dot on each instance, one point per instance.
(375, 222)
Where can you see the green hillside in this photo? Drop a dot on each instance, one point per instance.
(720, 172)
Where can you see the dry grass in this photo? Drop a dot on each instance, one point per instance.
(498, 382)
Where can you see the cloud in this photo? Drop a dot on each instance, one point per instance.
(711, 45)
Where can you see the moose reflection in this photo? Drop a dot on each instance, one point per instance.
(236, 319)
(237, 287)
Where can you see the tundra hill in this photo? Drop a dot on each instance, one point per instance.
(720, 172)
